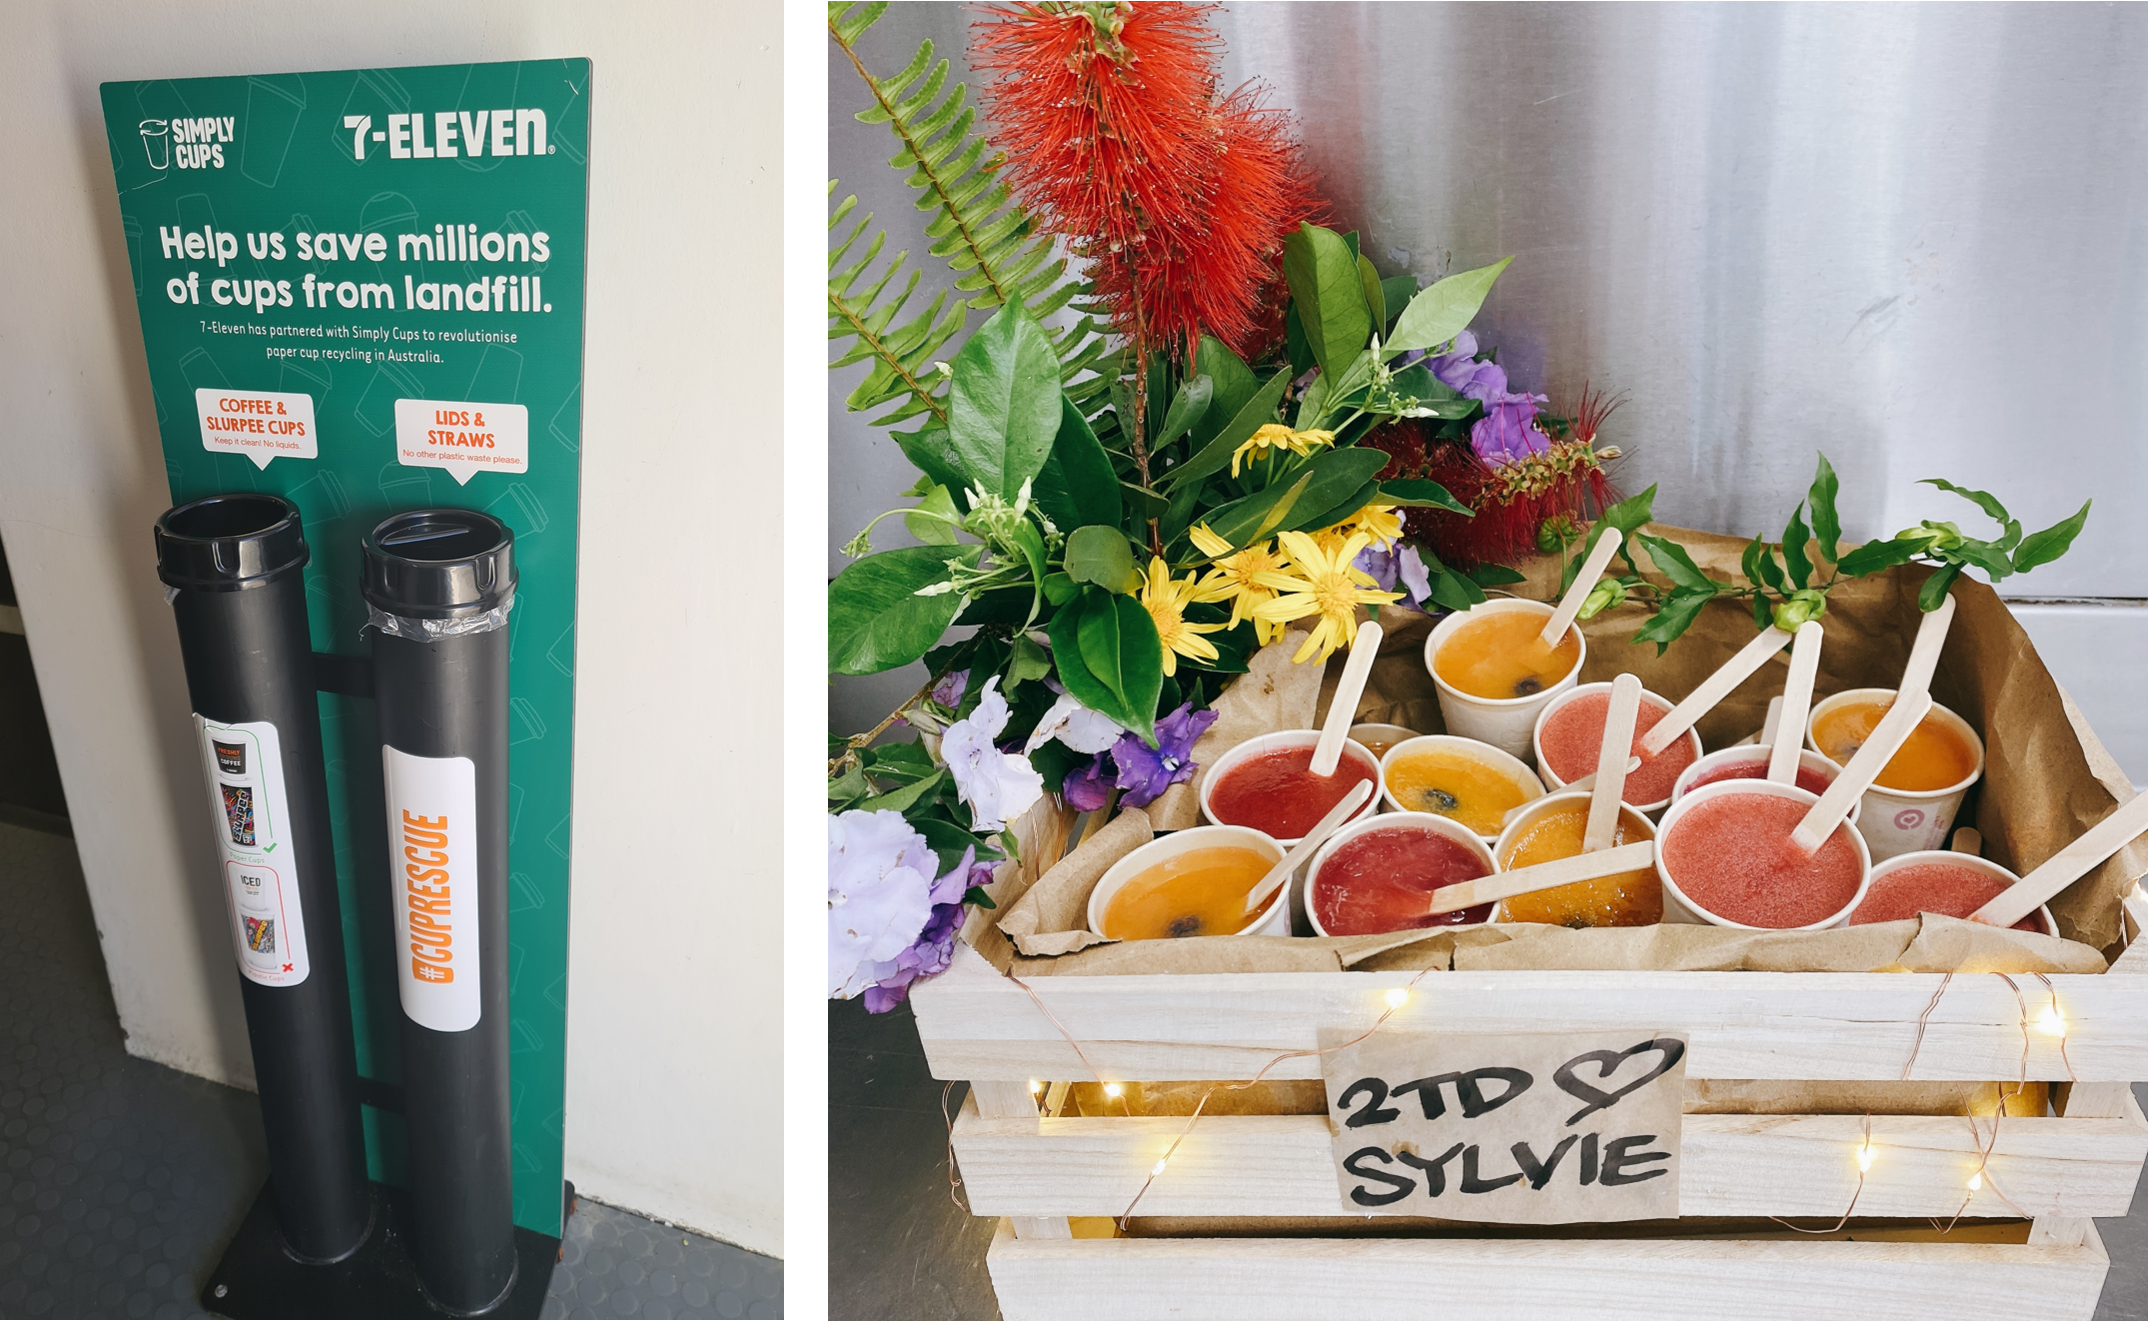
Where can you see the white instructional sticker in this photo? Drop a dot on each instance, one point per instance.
(463, 438)
(432, 848)
(259, 424)
(253, 831)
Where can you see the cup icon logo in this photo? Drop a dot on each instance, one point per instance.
(1909, 818)
(157, 142)
(231, 758)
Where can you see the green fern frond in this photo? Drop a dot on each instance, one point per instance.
(861, 309)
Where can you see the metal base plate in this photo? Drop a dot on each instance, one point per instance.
(256, 1278)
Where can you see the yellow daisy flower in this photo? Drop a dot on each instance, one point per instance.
(1166, 600)
(1232, 579)
(1326, 584)
(1276, 436)
(1380, 522)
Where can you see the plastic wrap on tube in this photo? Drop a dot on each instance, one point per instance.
(432, 630)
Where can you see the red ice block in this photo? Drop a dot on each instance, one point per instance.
(1278, 792)
(1811, 781)
(1383, 880)
(1573, 735)
(1733, 856)
(1949, 889)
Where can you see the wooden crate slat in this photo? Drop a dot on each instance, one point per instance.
(1392, 1279)
(976, 1024)
(1734, 1165)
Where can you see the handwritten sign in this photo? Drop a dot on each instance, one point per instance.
(1531, 1130)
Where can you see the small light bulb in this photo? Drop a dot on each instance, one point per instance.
(1976, 1181)
(2051, 1023)
(1156, 1169)
(1397, 998)
(1864, 1158)
(1113, 1090)
(1035, 1087)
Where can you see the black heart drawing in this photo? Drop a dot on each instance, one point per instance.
(1608, 1062)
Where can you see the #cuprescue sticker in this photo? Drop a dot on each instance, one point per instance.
(268, 924)
(432, 844)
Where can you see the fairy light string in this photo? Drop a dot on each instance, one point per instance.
(2051, 1021)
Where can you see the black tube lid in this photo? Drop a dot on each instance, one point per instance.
(439, 564)
(224, 543)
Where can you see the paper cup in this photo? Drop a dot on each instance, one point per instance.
(1274, 920)
(1880, 870)
(1678, 908)
(1505, 723)
(1510, 838)
(1428, 821)
(1515, 767)
(1378, 738)
(1552, 779)
(1902, 820)
(1747, 753)
(1288, 738)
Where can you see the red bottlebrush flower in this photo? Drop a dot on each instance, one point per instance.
(1115, 139)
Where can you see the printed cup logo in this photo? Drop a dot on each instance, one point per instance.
(462, 437)
(432, 828)
(157, 142)
(1909, 818)
(260, 424)
(268, 926)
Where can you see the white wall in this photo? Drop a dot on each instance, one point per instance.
(674, 1052)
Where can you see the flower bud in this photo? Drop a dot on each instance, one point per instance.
(1810, 603)
(1605, 595)
(1555, 532)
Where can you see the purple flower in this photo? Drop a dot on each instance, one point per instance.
(1505, 432)
(948, 691)
(1145, 772)
(1460, 371)
(880, 894)
(997, 785)
(1401, 565)
(1086, 789)
(1377, 563)
(934, 948)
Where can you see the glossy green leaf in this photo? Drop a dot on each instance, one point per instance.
(1983, 500)
(1676, 615)
(933, 531)
(1140, 666)
(1672, 561)
(1215, 456)
(1444, 310)
(1025, 661)
(1455, 591)
(1935, 588)
(1627, 515)
(901, 800)
(1419, 492)
(1826, 522)
(1076, 485)
(1795, 558)
(1338, 479)
(1985, 555)
(1375, 297)
(1098, 637)
(1252, 518)
(2047, 545)
(1031, 542)
(1396, 291)
(932, 454)
(876, 620)
(1496, 575)
(1187, 408)
(1878, 556)
(1100, 555)
(1312, 518)
(1004, 403)
(1234, 385)
(1329, 294)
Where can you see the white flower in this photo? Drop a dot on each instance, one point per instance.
(1076, 726)
(996, 785)
(879, 895)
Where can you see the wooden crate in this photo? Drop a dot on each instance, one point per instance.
(1022, 1162)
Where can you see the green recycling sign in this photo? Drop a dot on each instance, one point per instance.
(363, 291)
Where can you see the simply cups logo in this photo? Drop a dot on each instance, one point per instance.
(189, 144)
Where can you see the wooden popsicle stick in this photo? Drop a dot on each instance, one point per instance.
(2067, 865)
(1544, 876)
(1797, 703)
(1342, 711)
(1924, 652)
(1611, 759)
(1887, 739)
(1257, 897)
(1592, 568)
(1969, 840)
(1772, 723)
(1580, 786)
(1713, 689)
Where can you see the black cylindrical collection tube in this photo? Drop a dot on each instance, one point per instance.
(439, 583)
(236, 567)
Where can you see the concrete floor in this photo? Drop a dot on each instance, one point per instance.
(899, 1250)
(121, 1180)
